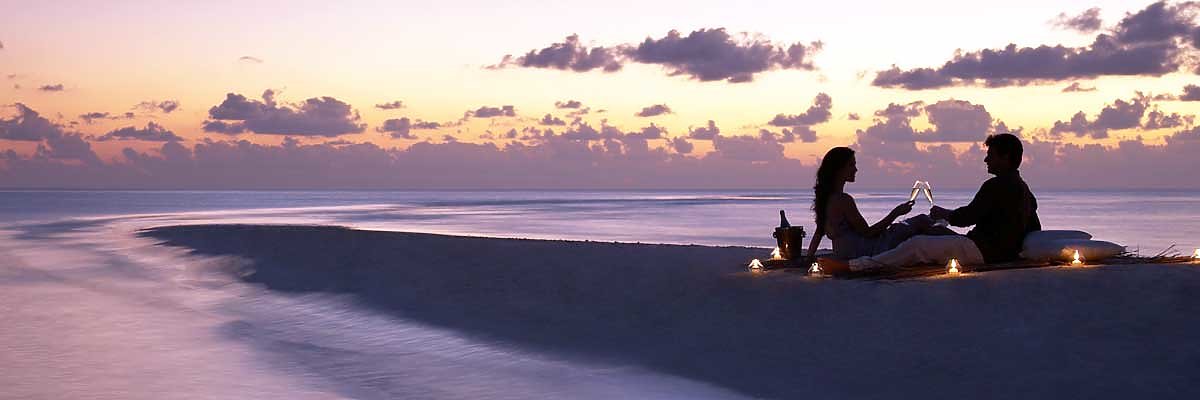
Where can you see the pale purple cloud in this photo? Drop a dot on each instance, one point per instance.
(1087, 21)
(151, 133)
(654, 110)
(1146, 43)
(393, 105)
(317, 116)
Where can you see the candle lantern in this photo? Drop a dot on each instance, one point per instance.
(1078, 260)
(952, 267)
(756, 266)
(815, 269)
(776, 254)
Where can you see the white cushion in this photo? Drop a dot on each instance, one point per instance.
(1064, 249)
(1046, 236)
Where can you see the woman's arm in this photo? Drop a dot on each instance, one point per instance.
(859, 224)
(812, 244)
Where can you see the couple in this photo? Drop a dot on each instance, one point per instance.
(1003, 211)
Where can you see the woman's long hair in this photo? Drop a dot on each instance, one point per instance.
(836, 159)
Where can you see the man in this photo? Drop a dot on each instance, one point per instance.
(1004, 210)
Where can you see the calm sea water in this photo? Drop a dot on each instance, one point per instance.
(1149, 221)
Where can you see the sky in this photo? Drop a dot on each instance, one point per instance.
(591, 95)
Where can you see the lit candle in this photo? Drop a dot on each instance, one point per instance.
(776, 254)
(756, 266)
(1078, 261)
(1196, 255)
(815, 269)
(953, 267)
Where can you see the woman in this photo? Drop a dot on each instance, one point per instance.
(837, 215)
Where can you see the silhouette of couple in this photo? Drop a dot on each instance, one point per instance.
(1003, 212)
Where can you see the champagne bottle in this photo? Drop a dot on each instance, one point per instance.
(783, 222)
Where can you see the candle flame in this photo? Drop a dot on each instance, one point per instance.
(815, 269)
(756, 265)
(776, 254)
(953, 267)
(1078, 261)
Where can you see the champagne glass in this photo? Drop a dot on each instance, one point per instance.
(915, 189)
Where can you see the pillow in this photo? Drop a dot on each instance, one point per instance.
(1046, 236)
(1064, 250)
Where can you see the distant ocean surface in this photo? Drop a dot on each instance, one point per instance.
(1149, 221)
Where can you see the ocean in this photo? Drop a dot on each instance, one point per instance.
(1145, 221)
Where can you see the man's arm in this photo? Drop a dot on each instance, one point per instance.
(971, 213)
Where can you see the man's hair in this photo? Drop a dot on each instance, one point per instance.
(1006, 144)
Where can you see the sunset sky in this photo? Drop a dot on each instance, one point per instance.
(526, 94)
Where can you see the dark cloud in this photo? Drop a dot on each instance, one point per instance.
(67, 147)
(317, 116)
(228, 128)
(490, 112)
(395, 105)
(1190, 93)
(654, 110)
(704, 55)
(568, 104)
(166, 106)
(95, 115)
(713, 55)
(1119, 115)
(853, 116)
(681, 145)
(28, 125)
(1075, 87)
(818, 113)
(1086, 22)
(648, 133)
(708, 132)
(58, 87)
(419, 124)
(152, 132)
(250, 59)
(567, 55)
(1146, 43)
(400, 128)
(1157, 119)
(551, 120)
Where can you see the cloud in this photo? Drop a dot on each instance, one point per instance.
(317, 116)
(1075, 87)
(708, 132)
(28, 125)
(166, 106)
(399, 128)
(567, 55)
(152, 132)
(747, 148)
(953, 121)
(1157, 119)
(58, 87)
(654, 110)
(853, 116)
(95, 115)
(250, 59)
(818, 113)
(1119, 115)
(704, 55)
(419, 124)
(1, 45)
(681, 145)
(491, 112)
(712, 55)
(1086, 22)
(228, 128)
(568, 104)
(551, 120)
(1190, 93)
(1146, 43)
(395, 105)
(648, 133)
